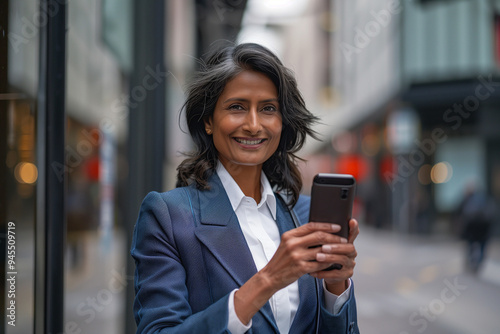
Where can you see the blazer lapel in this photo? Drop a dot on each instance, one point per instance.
(219, 231)
(304, 321)
(283, 216)
(304, 318)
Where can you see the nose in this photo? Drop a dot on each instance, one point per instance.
(252, 122)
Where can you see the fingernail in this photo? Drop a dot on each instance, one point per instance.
(320, 257)
(336, 227)
(343, 240)
(326, 248)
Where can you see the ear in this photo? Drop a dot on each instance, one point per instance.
(208, 125)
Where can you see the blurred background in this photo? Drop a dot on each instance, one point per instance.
(408, 93)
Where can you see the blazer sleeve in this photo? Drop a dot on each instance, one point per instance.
(161, 303)
(346, 321)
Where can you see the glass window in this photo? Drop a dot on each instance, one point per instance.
(19, 54)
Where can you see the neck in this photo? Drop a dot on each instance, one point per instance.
(247, 178)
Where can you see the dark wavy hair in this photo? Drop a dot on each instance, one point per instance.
(222, 65)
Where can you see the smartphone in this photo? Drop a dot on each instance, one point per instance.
(332, 197)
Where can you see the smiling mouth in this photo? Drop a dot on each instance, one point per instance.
(249, 141)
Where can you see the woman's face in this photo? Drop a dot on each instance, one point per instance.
(246, 124)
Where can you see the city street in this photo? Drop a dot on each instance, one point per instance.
(417, 284)
(403, 285)
(105, 101)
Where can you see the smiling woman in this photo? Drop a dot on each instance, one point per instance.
(246, 126)
(224, 252)
(221, 75)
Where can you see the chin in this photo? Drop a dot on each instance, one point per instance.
(247, 163)
(244, 163)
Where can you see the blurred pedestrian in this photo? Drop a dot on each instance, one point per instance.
(476, 213)
(225, 252)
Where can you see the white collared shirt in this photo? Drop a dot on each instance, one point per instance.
(258, 224)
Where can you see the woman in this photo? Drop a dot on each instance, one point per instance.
(224, 252)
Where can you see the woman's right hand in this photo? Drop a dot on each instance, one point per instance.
(296, 253)
(294, 258)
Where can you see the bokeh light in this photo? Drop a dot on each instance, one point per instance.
(26, 172)
(344, 142)
(441, 172)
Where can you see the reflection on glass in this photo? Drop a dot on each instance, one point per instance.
(21, 177)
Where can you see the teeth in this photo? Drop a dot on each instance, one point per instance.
(250, 142)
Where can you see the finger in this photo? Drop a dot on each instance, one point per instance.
(310, 243)
(343, 249)
(344, 260)
(316, 267)
(353, 230)
(329, 258)
(320, 238)
(327, 267)
(343, 273)
(310, 254)
(346, 250)
(313, 227)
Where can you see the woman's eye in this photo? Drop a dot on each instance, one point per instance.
(269, 108)
(235, 107)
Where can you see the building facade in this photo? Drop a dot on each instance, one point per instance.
(419, 100)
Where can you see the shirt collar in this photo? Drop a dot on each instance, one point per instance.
(236, 195)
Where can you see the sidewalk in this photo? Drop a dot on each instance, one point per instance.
(95, 288)
(409, 284)
(491, 269)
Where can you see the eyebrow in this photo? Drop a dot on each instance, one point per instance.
(246, 100)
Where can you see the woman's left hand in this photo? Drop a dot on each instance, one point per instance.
(343, 254)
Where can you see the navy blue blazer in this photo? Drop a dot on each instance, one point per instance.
(190, 253)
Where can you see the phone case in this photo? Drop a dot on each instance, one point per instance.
(332, 198)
